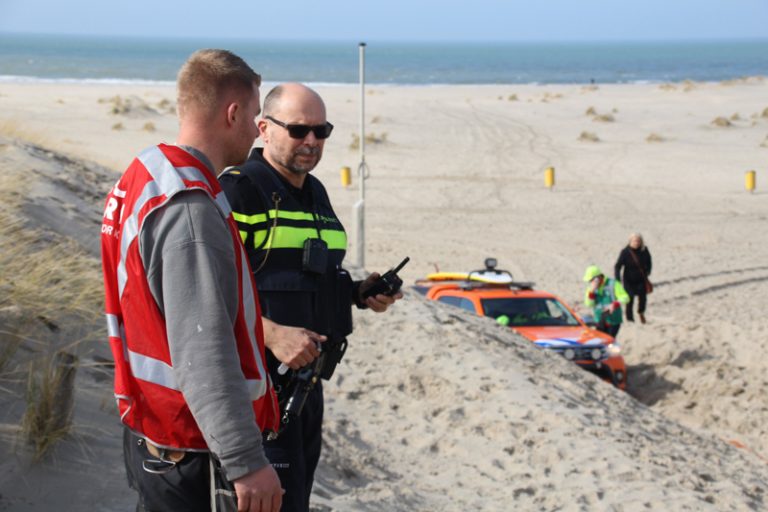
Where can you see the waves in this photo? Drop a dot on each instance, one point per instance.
(69, 59)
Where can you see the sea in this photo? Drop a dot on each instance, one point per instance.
(52, 58)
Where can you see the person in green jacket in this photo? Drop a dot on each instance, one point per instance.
(605, 296)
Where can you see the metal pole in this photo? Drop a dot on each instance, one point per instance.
(359, 209)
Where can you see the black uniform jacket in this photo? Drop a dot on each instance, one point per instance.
(276, 220)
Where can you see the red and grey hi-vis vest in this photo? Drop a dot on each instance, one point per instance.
(148, 397)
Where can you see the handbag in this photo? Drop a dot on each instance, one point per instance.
(648, 284)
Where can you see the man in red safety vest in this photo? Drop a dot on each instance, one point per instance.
(182, 310)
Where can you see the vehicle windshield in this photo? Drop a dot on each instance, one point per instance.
(529, 312)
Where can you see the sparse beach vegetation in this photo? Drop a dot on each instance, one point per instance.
(589, 137)
(14, 130)
(49, 288)
(604, 118)
(167, 106)
(721, 122)
(49, 397)
(654, 137)
(370, 138)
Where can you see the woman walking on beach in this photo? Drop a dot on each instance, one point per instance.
(635, 260)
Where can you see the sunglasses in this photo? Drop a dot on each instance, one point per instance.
(299, 131)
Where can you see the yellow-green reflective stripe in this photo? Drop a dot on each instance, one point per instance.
(335, 239)
(249, 219)
(291, 215)
(284, 237)
(263, 217)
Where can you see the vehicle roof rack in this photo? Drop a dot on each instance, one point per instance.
(483, 278)
(520, 285)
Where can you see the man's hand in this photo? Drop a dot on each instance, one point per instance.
(294, 346)
(378, 303)
(259, 491)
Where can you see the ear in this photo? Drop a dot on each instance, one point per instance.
(233, 112)
(262, 123)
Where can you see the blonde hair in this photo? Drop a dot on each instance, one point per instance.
(208, 75)
(639, 237)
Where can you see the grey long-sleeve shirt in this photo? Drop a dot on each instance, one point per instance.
(187, 251)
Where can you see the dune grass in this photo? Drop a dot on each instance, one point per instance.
(370, 138)
(49, 288)
(45, 275)
(722, 122)
(589, 137)
(13, 129)
(604, 118)
(50, 397)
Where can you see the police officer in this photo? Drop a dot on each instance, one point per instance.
(296, 245)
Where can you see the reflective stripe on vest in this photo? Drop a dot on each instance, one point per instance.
(257, 386)
(286, 236)
(167, 181)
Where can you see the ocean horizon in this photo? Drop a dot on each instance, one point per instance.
(98, 59)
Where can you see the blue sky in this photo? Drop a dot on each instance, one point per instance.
(395, 20)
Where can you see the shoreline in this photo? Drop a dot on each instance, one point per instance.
(266, 84)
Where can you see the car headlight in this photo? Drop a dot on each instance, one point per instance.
(613, 350)
(596, 354)
(569, 354)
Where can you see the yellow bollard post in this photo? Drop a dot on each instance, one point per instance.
(346, 176)
(749, 181)
(549, 177)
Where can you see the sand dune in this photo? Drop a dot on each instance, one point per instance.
(434, 409)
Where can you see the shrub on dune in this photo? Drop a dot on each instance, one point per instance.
(722, 122)
(589, 137)
(654, 137)
(604, 118)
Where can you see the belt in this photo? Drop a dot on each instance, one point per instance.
(165, 454)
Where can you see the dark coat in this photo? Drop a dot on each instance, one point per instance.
(632, 278)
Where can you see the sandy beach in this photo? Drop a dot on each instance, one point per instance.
(433, 409)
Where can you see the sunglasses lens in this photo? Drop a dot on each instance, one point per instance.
(298, 131)
(324, 131)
